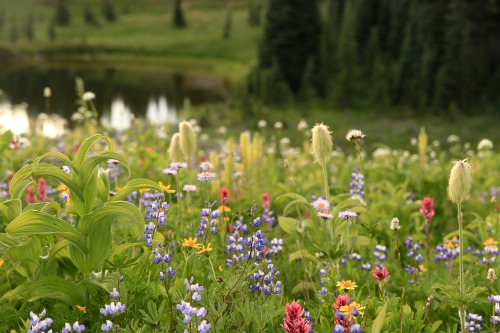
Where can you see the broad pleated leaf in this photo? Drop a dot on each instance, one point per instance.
(135, 185)
(56, 288)
(26, 255)
(10, 209)
(288, 224)
(114, 208)
(34, 223)
(87, 144)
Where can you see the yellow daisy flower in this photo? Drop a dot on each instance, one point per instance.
(204, 249)
(82, 308)
(352, 310)
(491, 243)
(224, 209)
(347, 284)
(191, 242)
(166, 189)
(422, 268)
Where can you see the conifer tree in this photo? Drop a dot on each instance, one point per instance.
(291, 39)
(178, 19)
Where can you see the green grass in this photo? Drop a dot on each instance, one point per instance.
(144, 35)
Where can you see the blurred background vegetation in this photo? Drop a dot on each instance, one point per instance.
(373, 63)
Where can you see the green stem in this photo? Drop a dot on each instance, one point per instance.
(461, 308)
(325, 182)
(402, 282)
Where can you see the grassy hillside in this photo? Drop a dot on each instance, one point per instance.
(142, 33)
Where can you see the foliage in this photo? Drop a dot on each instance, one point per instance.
(264, 242)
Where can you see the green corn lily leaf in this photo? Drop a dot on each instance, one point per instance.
(50, 287)
(99, 246)
(288, 224)
(10, 209)
(54, 250)
(25, 256)
(103, 186)
(93, 161)
(59, 156)
(135, 185)
(35, 223)
(45, 207)
(87, 144)
(19, 182)
(111, 209)
(89, 185)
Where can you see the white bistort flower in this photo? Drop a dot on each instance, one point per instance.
(354, 135)
(485, 144)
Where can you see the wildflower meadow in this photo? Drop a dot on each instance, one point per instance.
(178, 230)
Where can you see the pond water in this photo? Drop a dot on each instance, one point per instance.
(121, 94)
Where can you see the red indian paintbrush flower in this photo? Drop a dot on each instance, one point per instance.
(381, 274)
(427, 209)
(341, 301)
(224, 196)
(266, 201)
(294, 322)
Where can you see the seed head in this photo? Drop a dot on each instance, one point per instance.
(187, 138)
(174, 150)
(460, 181)
(491, 275)
(321, 143)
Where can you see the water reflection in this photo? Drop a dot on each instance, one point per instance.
(152, 94)
(14, 118)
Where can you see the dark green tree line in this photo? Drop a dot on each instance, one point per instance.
(425, 54)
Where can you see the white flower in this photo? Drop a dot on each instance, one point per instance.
(222, 130)
(88, 96)
(189, 188)
(47, 92)
(278, 125)
(354, 135)
(262, 124)
(302, 126)
(453, 139)
(381, 152)
(395, 224)
(77, 116)
(284, 141)
(485, 144)
(413, 141)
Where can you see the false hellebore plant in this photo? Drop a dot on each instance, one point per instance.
(85, 238)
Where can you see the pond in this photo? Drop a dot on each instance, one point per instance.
(155, 95)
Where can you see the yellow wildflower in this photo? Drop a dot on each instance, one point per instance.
(352, 310)
(347, 284)
(191, 242)
(166, 189)
(490, 242)
(82, 308)
(204, 249)
(1, 261)
(224, 209)
(421, 268)
(452, 243)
